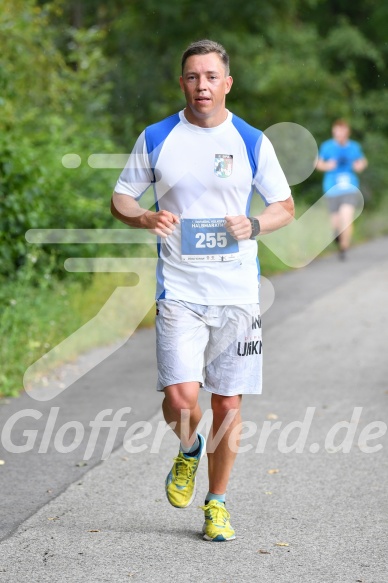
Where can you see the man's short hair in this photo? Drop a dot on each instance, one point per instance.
(204, 47)
(341, 122)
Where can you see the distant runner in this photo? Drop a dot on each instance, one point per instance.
(341, 159)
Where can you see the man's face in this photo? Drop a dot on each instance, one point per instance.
(205, 85)
(341, 133)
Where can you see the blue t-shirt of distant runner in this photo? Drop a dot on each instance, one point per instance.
(343, 179)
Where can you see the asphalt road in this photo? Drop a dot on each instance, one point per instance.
(308, 498)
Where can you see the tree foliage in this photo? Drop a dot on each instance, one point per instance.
(50, 105)
(86, 77)
(305, 61)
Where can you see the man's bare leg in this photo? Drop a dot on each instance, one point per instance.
(335, 224)
(221, 457)
(221, 453)
(346, 215)
(180, 406)
(181, 409)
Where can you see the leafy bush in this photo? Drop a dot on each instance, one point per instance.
(51, 105)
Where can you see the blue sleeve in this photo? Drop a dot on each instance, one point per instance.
(325, 151)
(358, 153)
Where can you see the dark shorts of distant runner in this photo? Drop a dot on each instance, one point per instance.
(335, 202)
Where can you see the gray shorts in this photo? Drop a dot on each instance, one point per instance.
(218, 346)
(334, 202)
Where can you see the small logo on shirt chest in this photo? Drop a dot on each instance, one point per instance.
(223, 165)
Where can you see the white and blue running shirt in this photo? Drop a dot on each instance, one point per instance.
(201, 175)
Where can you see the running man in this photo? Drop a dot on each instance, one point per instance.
(341, 159)
(205, 164)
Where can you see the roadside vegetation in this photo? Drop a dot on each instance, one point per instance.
(79, 78)
(36, 318)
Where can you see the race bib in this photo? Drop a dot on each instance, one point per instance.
(344, 179)
(207, 240)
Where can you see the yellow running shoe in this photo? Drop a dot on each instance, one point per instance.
(217, 526)
(180, 482)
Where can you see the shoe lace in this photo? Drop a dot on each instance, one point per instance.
(183, 470)
(216, 512)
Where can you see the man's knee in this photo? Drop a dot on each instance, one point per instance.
(181, 397)
(346, 212)
(221, 405)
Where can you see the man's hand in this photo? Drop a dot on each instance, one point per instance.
(127, 209)
(275, 216)
(239, 227)
(326, 165)
(360, 164)
(161, 223)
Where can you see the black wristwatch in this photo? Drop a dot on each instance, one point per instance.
(255, 227)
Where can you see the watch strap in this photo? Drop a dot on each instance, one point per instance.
(255, 227)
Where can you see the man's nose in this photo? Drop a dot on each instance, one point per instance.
(202, 83)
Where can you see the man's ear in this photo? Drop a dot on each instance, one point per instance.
(229, 83)
(181, 83)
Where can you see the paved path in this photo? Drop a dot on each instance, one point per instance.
(325, 342)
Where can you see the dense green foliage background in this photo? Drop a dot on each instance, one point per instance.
(87, 76)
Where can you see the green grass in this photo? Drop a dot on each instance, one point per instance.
(372, 223)
(36, 319)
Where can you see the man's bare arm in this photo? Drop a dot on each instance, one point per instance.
(274, 216)
(127, 210)
(360, 164)
(325, 165)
